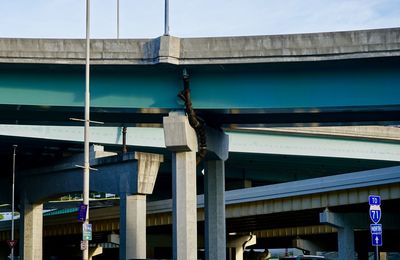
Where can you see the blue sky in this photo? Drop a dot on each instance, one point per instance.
(193, 18)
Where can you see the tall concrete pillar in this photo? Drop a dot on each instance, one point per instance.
(132, 227)
(345, 225)
(133, 208)
(214, 194)
(214, 198)
(32, 231)
(184, 206)
(181, 139)
(346, 242)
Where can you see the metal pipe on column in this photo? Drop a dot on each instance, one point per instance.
(13, 203)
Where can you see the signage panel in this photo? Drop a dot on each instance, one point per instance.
(376, 239)
(87, 232)
(376, 228)
(374, 200)
(82, 212)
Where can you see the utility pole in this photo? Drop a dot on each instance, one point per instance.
(12, 203)
(117, 19)
(166, 18)
(86, 170)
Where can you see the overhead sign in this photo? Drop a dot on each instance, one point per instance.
(82, 212)
(11, 243)
(86, 231)
(374, 200)
(376, 239)
(376, 228)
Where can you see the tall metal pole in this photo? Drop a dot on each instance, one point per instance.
(86, 170)
(166, 18)
(117, 19)
(12, 203)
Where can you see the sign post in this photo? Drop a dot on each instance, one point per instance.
(376, 229)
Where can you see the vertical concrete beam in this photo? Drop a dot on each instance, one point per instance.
(133, 208)
(181, 139)
(132, 227)
(346, 242)
(345, 225)
(184, 206)
(32, 229)
(214, 197)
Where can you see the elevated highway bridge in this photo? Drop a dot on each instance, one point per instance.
(340, 78)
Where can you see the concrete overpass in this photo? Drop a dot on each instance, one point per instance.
(326, 78)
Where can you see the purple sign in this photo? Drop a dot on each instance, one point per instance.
(82, 212)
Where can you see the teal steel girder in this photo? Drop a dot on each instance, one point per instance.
(309, 87)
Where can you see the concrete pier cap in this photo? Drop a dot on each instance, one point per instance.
(179, 135)
(148, 165)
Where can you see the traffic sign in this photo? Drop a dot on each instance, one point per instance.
(374, 200)
(11, 243)
(375, 213)
(86, 231)
(82, 212)
(376, 228)
(84, 245)
(376, 239)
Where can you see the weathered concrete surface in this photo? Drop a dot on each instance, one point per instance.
(31, 245)
(147, 170)
(214, 200)
(181, 139)
(216, 50)
(133, 227)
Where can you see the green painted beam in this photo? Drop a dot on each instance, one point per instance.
(316, 86)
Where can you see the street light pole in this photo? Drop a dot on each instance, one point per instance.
(166, 18)
(12, 203)
(86, 170)
(117, 19)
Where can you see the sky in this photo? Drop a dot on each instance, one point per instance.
(192, 18)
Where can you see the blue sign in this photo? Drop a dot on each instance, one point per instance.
(82, 212)
(376, 228)
(374, 200)
(375, 214)
(376, 239)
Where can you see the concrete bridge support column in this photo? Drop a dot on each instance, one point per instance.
(31, 244)
(214, 198)
(345, 226)
(346, 242)
(181, 139)
(133, 208)
(214, 194)
(132, 227)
